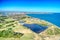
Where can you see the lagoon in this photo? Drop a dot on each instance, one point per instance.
(35, 27)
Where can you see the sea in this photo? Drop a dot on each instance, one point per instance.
(53, 18)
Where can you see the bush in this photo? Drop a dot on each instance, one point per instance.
(50, 32)
(0, 26)
(9, 33)
(57, 31)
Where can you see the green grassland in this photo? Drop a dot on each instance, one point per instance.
(6, 28)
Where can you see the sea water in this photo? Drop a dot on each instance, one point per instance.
(54, 18)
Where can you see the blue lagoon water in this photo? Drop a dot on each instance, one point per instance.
(35, 27)
(53, 17)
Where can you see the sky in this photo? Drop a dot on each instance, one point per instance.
(30, 5)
